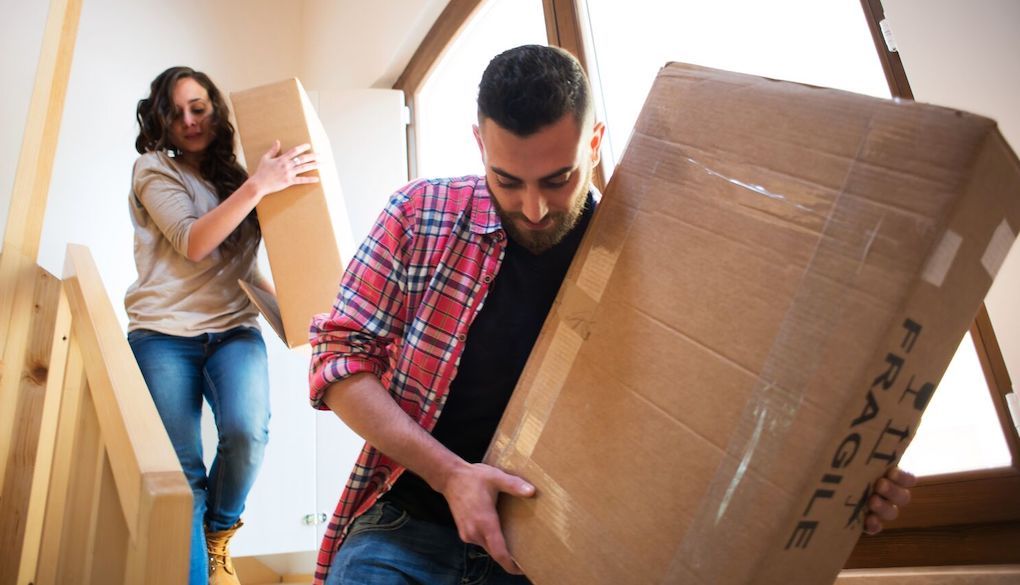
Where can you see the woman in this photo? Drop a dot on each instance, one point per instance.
(191, 328)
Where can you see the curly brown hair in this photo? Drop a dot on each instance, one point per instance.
(219, 164)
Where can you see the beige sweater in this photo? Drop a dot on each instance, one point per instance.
(174, 295)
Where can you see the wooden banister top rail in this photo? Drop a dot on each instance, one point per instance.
(142, 459)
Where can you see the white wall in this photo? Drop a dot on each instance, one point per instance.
(21, 32)
(964, 55)
(351, 44)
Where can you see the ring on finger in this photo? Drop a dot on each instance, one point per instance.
(296, 160)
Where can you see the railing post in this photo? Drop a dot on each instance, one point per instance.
(44, 470)
(28, 206)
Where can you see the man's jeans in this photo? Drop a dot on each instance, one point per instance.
(229, 370)
(385, 546)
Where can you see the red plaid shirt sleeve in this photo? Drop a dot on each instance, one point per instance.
(368, 315)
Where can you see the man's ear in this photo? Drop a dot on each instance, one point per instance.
(478, 139)
(597, 133)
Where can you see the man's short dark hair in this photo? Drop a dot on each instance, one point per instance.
(529, 87)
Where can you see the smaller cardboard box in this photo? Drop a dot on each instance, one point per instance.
(764, 302)
(305, 227)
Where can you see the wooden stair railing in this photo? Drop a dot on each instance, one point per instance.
(90, 487)
(109, 503)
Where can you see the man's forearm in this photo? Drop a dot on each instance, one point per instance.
(367, 408)
(471, 490)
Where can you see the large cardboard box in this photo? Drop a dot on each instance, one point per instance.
(305, 227)
(764, 303)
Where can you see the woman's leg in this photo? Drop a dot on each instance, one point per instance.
(237, 388)
(172, 369)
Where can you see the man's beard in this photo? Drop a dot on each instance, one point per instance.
(538, 241)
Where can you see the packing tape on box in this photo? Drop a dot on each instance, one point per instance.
(941, 259)
(998, 248)
(574, 310)
(553, 505)
(555, 512)
(554, 369)
(544, 391)
(775, 401)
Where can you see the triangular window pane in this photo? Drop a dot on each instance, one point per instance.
(446, 104)
(960, 430)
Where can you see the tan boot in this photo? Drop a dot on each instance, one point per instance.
(221, 568)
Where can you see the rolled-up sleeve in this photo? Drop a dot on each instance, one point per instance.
(368, 315)
(166, 201)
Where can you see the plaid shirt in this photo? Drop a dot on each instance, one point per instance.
(406, 302)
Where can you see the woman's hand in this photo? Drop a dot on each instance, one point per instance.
(275, 172)
(278, 171)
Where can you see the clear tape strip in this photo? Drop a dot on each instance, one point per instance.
(942, 258)
(570, 523)
(998, 248)
(779, 391)
(551, 377)
(578, 300)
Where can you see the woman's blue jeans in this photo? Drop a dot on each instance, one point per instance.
(229, 370)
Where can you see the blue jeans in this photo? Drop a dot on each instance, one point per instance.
(228, 369)
(385, 546)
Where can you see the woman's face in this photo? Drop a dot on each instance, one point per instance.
(191, 129)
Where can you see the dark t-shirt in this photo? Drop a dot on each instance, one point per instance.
(497, 347)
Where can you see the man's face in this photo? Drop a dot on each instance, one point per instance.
(539, 183)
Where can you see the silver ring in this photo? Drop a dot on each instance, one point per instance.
(296, 160)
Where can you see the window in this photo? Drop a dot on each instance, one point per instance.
(959, 430)
(445, 104)
(821, 43)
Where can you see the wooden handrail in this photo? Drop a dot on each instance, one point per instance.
(135, 438)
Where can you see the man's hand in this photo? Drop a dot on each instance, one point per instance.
(472, 490)
(892, 492)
